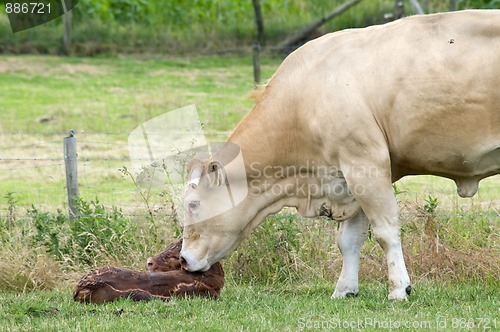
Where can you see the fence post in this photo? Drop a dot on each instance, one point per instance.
(256, 63)
(453, 5)
(399, 9)
(259, 22)
(71, 172)
(67, 22)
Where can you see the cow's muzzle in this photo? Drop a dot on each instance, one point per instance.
(191, 264)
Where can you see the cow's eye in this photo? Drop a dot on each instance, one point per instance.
(193, 206)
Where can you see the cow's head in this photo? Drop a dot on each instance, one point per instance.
(217, 208)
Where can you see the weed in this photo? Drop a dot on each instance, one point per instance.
(166, 197)
(50, 232)
(431, 204)
(144, 193)
(174, 220)
(11, 208)
(94, 232)
(97, 231)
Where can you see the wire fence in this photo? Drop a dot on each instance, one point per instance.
(32, 174)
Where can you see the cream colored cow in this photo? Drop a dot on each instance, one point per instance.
(344, 117)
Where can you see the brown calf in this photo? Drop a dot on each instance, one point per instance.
(164, 279)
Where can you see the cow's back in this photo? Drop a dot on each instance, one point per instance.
(430, 82)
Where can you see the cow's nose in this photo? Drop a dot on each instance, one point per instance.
(184, 263)
(191, 264)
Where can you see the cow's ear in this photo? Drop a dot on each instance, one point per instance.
(217, 169)
(195, 169)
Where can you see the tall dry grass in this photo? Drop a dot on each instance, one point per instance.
(447, 245)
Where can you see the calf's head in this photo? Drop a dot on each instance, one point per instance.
(167, 260)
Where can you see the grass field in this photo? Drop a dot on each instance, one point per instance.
(281, 278)
(243, 308)
(43, 98)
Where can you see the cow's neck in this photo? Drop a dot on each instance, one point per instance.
(286, 167)
(266, 139)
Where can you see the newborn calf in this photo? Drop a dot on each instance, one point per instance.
(164, 279)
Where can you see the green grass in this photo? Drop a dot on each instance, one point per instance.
(257, 308)
(102, 95)
(42, 98)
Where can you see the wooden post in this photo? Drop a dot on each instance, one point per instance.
(256, 63)
(67, 18)
(453, 5)
(259, 21)
(71, 172)
(399, 9)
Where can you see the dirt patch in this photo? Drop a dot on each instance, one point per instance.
(81, 68)
(214, 73)
(32, 66)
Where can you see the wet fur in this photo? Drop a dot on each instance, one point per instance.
(164, 280)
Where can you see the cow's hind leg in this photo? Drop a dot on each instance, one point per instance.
(379, 203)
(388, 235)
(350, 239)
(371, 185)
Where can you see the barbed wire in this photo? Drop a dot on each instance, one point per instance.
(80, 141)
(474, 214)
(86, 133)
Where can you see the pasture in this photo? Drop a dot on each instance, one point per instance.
(433, 307)
(280, 278)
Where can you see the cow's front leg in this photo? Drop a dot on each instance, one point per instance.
(350, 239)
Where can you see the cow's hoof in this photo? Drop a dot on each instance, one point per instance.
(341, 295)
(400, 294)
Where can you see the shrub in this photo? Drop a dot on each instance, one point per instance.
(50, 231)
(94, 232)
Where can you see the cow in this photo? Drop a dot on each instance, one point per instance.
(343, 118)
